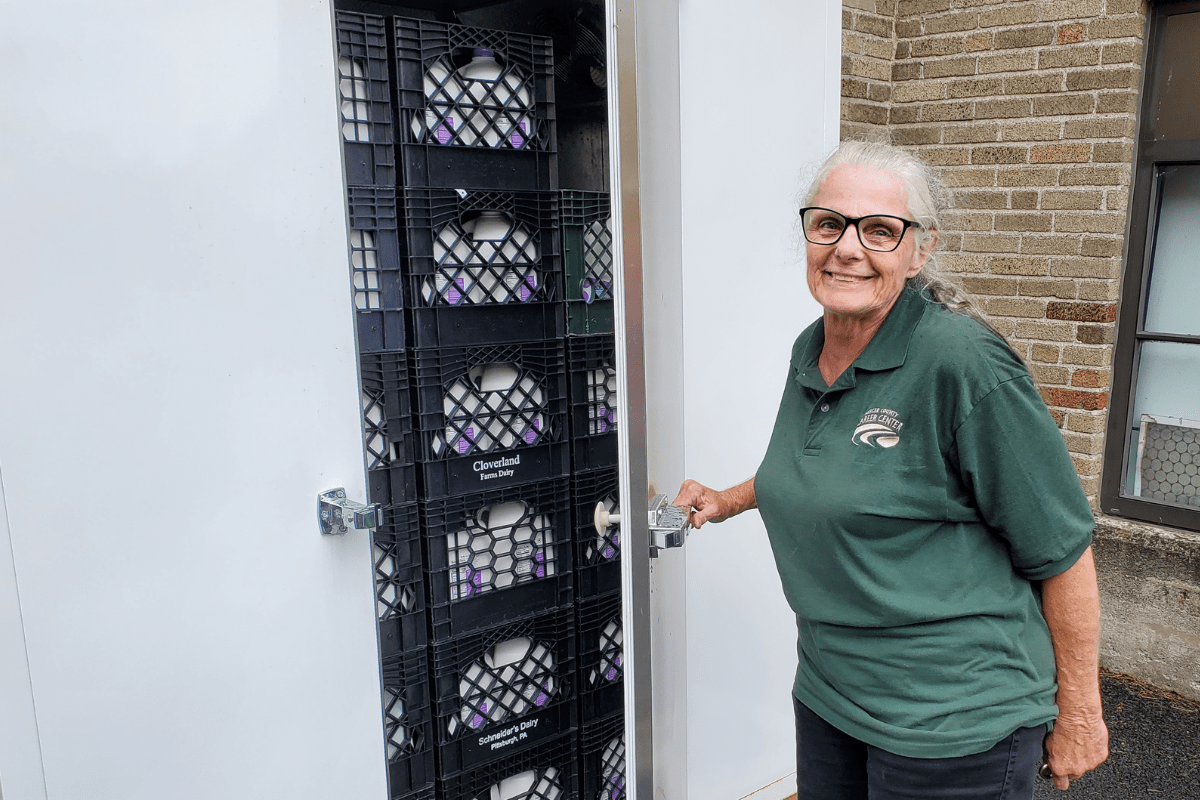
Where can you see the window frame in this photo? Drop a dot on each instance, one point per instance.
(1150, 156)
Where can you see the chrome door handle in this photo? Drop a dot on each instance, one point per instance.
(668, 524)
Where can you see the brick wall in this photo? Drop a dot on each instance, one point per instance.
(1027, 110)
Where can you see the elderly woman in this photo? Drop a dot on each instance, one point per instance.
(927, 522)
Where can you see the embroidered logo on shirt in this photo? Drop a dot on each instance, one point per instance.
(879, 427)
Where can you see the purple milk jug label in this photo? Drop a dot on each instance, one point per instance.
(585, 288)
(617, 661)
(609, 551)
(541, 699)
(457, 291)
(445, 132)
(603, 426)
(541, 572)
(611, 675)
(516, 137)
(530, 437)
(524, 294)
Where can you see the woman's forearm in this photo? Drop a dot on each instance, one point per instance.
(1071, 605)
(709, 505)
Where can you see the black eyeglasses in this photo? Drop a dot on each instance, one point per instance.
(879, 232)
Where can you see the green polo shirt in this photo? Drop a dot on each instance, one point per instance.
(912, 509)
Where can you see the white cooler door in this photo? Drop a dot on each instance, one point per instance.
(179, 383)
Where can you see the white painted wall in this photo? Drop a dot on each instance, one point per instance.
(760, 104)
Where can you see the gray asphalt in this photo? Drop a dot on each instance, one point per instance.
(1154, 747)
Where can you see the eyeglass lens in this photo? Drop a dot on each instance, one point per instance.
(822, 226)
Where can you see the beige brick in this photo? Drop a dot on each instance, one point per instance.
(1095, 334)
(1122, 53)
(1006, 109)
(1075, 56)
(874, 25)
(1031, 131)
(1084, 267)
(1086, 79)
(1084, 421)
(1080, 356)
(909, 29)
(861, 5)
(1054, 105)
(922, 90)
(945, 156)
(851, 45)
(1014, 307)
(1097, 128)
(963, 263)
(1006, 326)
(1099, 290)
(952, 242)
(1019, 265)
(933, 46)
(906, 72)
(1059, 153)
(1117, 103)
(1034, 84)
(978, 42)
(975, 87)
(868, 68)
(1049, 376)
(910, 136)
(1045, 353)
(848, 17)
(902, 115)
(879, 92)
(990, 286)
(865, 112)
(1027, 176)
(963, 134)
(946, 112)
(1046, 331)
(1085, 444)
(950, 67)
(1117, 7)
(1071, 9)
(856, 130)
(966, 221)
(991, 243)
(1034, 36)
(903, 50)
(1092, 176)
(1116, 200)
(854, 88)
(916, 8)
(1116, 28)
(1024, 200)
(878, 48)
(952, 23)
(886, 7)
(1023, 222)
(1091, 488)
(1076, 200)
(1050, 245)
(978, 199)
(1008, 62)
(1082, 222)
(1010, 14)
(1106, 153)
(968, 177)
(1041, 287)
(998, 155)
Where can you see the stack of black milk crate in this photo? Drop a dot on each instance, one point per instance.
(485, 330)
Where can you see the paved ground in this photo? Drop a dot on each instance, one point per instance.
(1154, 744)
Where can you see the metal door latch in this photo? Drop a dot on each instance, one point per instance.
(668, 524)
(337, 514)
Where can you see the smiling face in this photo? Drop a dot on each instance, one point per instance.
(851, 283)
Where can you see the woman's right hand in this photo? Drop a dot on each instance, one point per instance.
(710, 505)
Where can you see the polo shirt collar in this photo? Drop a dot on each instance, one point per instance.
(887, 349)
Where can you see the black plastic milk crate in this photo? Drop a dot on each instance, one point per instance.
(591, 365)
(375, 267)
(597, 556)
(490, 416)
(388, 437)
(399, 581)
(602, 758)
(601, 683)
(483, 266)
(555, 767)
(407, 722)
(364, 99)
(498, 556)
(475, 107)
(503, 690)
(427, 792)
(587, 261)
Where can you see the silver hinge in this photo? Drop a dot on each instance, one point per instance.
(668, 523)
(336, 514)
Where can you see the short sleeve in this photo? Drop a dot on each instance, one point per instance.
(1012, 457)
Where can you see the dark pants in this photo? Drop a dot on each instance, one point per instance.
(833, 766)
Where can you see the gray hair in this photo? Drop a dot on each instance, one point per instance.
(924, 202)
